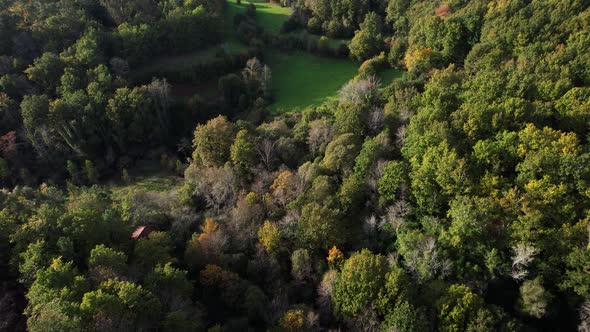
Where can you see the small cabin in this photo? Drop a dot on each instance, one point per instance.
(141, 232)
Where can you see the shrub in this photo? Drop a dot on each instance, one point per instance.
(534, 299)
(396, 52)
(373, 66)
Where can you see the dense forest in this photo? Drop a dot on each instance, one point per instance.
(144, 190)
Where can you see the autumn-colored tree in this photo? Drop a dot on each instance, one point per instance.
(284, 188)
(270, 237)
(417, 58)
(293, 321)
(215, 276)
(208, 227)
(208, 246)
(8, 147)
(335, 258)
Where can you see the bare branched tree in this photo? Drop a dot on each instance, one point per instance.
(392, 258)
(266, 81)
(184, 222)
(5, 65)
(584, 325)
(253, 69)
(159, 89)
(216, 185)
(370, 224)
(366, 321)
(425, 262)
(395, 215)
(213, 245)
(523, 256)
(359, 91)
(313, 320)
(376, 120)
(246, 219)
(289, 221)
(222, 191)
(278, 304)
(119, 66)
(375, 173)
(263, 180)
(319, 135)
(266, 151)
(324, 299)
(400, 136)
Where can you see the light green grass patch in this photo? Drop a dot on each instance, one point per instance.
(146, 176)
(148, 183)
(269, 16)
(301, 79)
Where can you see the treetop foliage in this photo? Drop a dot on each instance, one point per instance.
(454, 198)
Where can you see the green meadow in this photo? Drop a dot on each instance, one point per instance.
(300, 79)
(269, 16)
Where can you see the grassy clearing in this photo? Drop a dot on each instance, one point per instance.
(147, 176)
(151, 183)
(301, 79)
(269, 16)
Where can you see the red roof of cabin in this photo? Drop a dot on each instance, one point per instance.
(141, 231)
